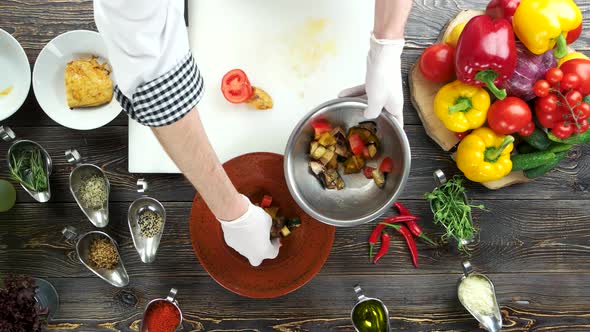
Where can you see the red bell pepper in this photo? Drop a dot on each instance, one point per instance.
(486, 53)
(502, 9)
(320, 126)
(356, 144)
(573, 35)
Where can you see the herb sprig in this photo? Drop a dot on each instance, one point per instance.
(27, 166)
(452, 211)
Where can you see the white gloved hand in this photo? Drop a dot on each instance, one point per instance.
(383, 82)
(249, 235)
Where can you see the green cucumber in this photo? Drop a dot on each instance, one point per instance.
(542, 170)
(526, 161)
(538, 139)
(558, 147)
(525, 147)
(574, 139)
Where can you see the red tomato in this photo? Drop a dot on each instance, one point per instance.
(320, 126)
(541, 88)
(266, 201)
(583, 111)
(527, 130)
(570, 81)
(509, 115)
(581, 67)
(356, 144)
(572, 35)
(547, 103)
(236, 87)
(368, 172)
(583, 126)
(554, 75)
(386, 165)
(462, 135)
(437, 63)
(573, 98)
(563, 130)
(547, 119)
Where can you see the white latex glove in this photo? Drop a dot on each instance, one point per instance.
(383, 82)
(250, 235)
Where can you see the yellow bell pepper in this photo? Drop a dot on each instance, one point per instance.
(484, 155)
(540, 24)
(453, 37)
(570, 56)
(461, 106)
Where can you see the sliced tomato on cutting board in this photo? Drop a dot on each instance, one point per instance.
(236, 87)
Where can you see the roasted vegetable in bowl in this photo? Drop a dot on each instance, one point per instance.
(281, 226)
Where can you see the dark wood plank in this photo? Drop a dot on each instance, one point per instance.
(325, 303)
(107, 148)
(546, 236)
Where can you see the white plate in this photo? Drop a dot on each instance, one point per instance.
(15, 73)
(49, 84)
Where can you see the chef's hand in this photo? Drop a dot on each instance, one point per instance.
(249, 235)
(383, 82)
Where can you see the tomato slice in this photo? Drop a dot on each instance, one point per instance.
(368, 172)
(236, 87)
(356, 144)
(321, 126)
(266, 201)
(386, 165)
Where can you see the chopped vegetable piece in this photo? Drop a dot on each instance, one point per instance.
(368, 172)
(313, 146)
(332, 180)
(320, 126)
(260, 99)
(266, 201)
(369, 125)
(339, 134)
(333, 163)
(285, 231)
(379, 178)
(366, 135)
(293, 222)
(356, 144)
(326, 139)
(318, 153)
(277, 225)
(372, 151)
(386, 165)
(329, 155)
(316, 167)
(353, 164)
(236, 87)
(272, 211)
(342, 150)
(366, 153)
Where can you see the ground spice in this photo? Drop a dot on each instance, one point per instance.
(161, 316)
(103, 254)
(150, 223)
(93, 192)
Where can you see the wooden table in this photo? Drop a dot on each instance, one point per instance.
(534, 242)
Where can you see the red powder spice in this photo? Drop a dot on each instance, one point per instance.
(161, 316)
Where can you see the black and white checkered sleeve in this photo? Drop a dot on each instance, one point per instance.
(167, 98)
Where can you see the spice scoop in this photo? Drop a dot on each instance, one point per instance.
(146, 218)
(440, 179)
(162, 314)
(117, 275)
(369, 314)
(90, 187)
(477, 294)
(35, 176)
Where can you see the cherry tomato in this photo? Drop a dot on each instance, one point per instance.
(547, 103)
(236, 87)
(572, 35)
(581, 67)
(583, 111)
(368, 172)
(563, 129)
(462, 135)
(583, 126)
(541, 88)
(509, 115)
(547, 119)
(570, 81)
(527, 130)
(554, 76)
(437, 63)
(573, 98)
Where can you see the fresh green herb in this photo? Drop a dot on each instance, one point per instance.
(452, 211)
(27, 166)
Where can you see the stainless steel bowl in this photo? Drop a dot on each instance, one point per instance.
(361, 201)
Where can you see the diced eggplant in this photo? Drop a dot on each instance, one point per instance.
(354, 164)
(370, 125)
(272, 211)
(277, 225)
(293, 222)
(340, 183)
(372, 150)
(333, 180)
(366, 135)
(379, 178)
(327, 140)
(339, 134)
(316, 168)
(333, 163)
(342, 150)
(327, 157)
(318, 153)
(313, 146)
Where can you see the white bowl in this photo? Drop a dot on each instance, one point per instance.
(15, 74)
(49, 82)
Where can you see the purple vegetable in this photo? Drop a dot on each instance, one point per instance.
(529, 69)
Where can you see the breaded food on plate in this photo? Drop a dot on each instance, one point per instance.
(88, 83)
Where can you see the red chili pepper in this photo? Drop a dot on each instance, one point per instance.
(374, 237)
(400, 219)
(385, 240)
(502, 9)
(417, 231)
(403, 230)
(486, 53)
(403, 210)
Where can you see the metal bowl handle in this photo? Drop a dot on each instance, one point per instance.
(142, 185)
(73, 156)
(467, 268)
(7, 134)
(439, 177)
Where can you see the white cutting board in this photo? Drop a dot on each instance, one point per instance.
(302, 52)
